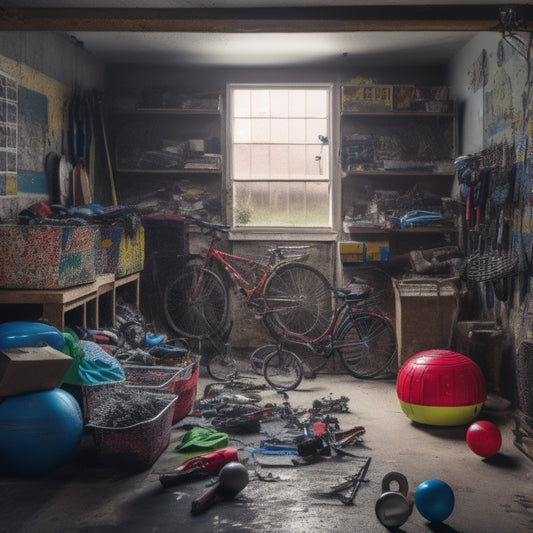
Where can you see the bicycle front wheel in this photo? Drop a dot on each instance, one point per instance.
(298, 299)
(196, 303)
(366, 343)
(283, 370)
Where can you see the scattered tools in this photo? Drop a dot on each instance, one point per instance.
(232, 479)
(198, 467)
(351, 484)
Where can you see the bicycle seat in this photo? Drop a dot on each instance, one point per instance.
(355, 292)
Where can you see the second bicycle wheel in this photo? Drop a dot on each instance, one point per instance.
(366, 343)
(196, 303)
(283, 370)
(222, 367)
(258, 356)
(298, 299)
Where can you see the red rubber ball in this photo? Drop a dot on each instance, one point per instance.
(484, 438)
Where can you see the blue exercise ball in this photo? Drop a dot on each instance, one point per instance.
(38, 431)
(434, 500)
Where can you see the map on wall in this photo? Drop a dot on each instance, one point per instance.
(8, 135)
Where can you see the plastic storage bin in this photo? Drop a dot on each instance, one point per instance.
(134, 447)
(181, 381)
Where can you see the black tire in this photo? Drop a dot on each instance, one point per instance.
(203, 315)
(298, 299)
(258, 356)
(367, 344)
(283, 370)
(222, 367)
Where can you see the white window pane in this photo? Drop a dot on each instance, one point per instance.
(279, 132)
(241, 130)
(260, 130)
(260, 103)
(317, 104)
(279, 162)
(260, 162)
(297, 133)
(293, 204)
(316, 162)
(241, 103)
(297, 103)
(279, 103)
(241, 161)
(279, 165)
(314, 128)
(297, 161)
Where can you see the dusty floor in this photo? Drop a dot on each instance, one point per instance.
(491, 495)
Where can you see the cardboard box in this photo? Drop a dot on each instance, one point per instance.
(363, 251)
(47, 257)
(31, 369)
(367, 98)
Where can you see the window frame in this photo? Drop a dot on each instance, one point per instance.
(318, 233)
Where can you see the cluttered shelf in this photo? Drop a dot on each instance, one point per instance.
(365, 230)
(410, 173)
(170, 171)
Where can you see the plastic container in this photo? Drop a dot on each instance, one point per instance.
(134, 447)
(181, 381)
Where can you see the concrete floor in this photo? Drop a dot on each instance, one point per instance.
(491, 495)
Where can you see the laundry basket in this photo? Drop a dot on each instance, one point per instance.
(181, 381)
(137, 445)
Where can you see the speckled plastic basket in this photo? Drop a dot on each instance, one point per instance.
(134, 447)
(181, 381)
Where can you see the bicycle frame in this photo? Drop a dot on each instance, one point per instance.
(250, 290)
(342, 314)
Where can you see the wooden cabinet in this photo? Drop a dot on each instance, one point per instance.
(398, 144)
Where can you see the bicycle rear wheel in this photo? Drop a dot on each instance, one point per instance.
(196, 303)
(298, 299)
(366, 343)
(283, 370)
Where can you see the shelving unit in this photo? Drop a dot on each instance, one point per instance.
(88, 305)
(168, 146)
(397, 156)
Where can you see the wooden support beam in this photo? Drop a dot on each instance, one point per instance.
(260, 20)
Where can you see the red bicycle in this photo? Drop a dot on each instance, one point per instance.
(288, 294)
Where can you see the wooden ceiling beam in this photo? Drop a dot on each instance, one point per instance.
(260, 20)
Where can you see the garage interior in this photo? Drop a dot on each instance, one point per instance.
(429, 199)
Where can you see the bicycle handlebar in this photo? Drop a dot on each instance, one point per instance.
(210, 227)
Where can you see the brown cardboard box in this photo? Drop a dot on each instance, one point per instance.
(31, 369)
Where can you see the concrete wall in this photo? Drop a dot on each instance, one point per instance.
(47, 67)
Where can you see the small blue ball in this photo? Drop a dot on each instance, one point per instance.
(434, 500)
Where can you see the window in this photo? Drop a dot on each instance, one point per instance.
(279, 155)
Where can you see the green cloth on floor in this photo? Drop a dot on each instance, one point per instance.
(199, 439)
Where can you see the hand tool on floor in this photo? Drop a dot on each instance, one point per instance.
(205, 465)
(232, 479)
(353, 483)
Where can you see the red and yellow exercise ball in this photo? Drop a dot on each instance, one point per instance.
(441, 388)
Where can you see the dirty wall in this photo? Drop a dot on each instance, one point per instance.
(491, 77)
(46, 67)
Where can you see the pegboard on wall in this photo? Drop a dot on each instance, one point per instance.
(8, 135)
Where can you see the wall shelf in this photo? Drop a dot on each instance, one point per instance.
(90, 301)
